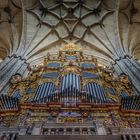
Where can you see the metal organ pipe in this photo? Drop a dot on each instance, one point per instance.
(70, 87)
(44, 92)
(70, 91)
(70, 82)
(95, 92)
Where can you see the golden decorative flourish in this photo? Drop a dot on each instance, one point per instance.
(71, 47)
(71, 69)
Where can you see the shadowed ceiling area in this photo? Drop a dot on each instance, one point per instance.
(107, 29)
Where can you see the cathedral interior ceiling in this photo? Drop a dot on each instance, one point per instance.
(107, 29)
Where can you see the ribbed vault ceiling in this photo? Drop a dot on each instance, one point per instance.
(108, 29)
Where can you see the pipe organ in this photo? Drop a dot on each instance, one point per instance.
(70, 87)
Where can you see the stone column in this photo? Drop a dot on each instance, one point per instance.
(130, 67)
(49, 131)
(64, 131)
(9, 67)
(89, 132)
(100, 128)
(137, 138)
(23, 131)
(36, 131)
(81, 131)
(73, 131)
(57, 131)
(5, 62)
(130, 136)
(124, 137)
